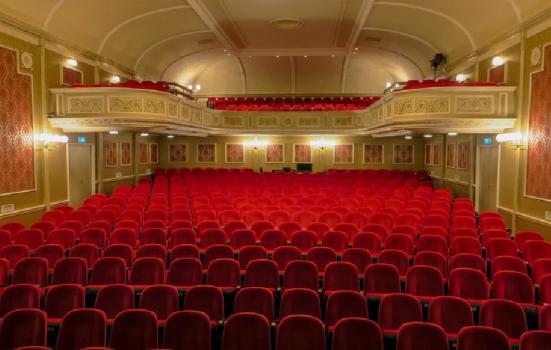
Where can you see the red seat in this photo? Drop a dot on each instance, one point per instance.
(470, 261)
(284, 255)
(300, 332)
(108, 270)
(301, 274)
(359, 257)
(51, 252)
(241, 238)
(450, 313)
(33, 270)
(224, 273)
(289, 228)
(468, 284)
(433, 259)
(420, 336)
(535, 340)
(212, 236)
(19, 296)
(424, 281)
(23, 327)
(482, 338)
(246, 331)
(255, 299)
(368, 240)
(381, 279)
(208, 299)
(96, 236)
(524, 236)
(134, 329)
(300, 301)
(508, 263)
(32, 238)
(321, 256)
(432, 243)
(271, 239)
(61, 299)
(88, 252)
(512, 285)
(63, 236)
(534, 250)
(161, 299)
(187, 328)
(343, 304)
(304, 240)
(82, 328)
(469, 245)
(336, 240)
(357, 333)
(397, 309)
(70, 270)
(147, 271)
(395, 257)
(399, 241)
(540, 268)
(114, 299)
(504, 315)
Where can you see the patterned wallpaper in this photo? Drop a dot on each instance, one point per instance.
(16, 126)
(538, 182)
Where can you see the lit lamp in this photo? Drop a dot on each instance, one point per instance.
(322, 144)
(516, 139)
(255, 144)
(47, 139)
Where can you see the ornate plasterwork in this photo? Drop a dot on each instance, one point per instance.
(438, 109)
(154, 106)
(474, 104)
(85, 104)
(125, 104)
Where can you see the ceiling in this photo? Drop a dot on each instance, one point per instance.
(277, 46)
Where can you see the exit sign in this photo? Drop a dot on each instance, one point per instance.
(487, 140)
(82, 139)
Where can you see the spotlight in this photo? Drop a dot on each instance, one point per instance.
(170, 136)
(144, 134)
(115, 79)
(460, 78)
(408, 137)
(113, 132)
(452, 134)
(427, 136)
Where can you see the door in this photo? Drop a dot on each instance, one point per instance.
(81, 172)
(487, 178)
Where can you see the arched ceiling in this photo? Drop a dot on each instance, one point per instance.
(232, 46)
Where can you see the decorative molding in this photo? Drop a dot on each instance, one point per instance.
(85, 104)
(525, 216)
(474, 105)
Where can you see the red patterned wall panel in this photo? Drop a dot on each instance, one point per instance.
(302, 154)
(16, 127)
(373, 154)
(403, 154)
(110, 154)
(436, 154)
(463, 155)
(344, 154)
(70, 76)
(274, 153)
(143, 153)
(235, 153)
(126, 153)
(428, 154)
(206, 153)
(538, 181)
(450, 155)
(153, 153)
(497, 74)
(177, 153)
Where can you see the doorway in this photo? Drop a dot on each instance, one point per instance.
(81, 172)
(487, 178)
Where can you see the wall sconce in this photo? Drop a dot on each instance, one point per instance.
(498, 61)
(516, 139)
(256, 144)
(71, 62)
(322, 143)
(115, 79)
(460, 78)
(47, 139)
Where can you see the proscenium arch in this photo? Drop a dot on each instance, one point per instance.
(436, 13)
(134, 19)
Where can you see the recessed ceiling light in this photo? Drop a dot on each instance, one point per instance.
(408, 137)
(333, 55)
(356, 49)
(427, 136)
(452, 134)
(113, 132)
(277, 56)
(305, 56)
(287, 23)
(144, 134)
(71, 62)
(170, 136)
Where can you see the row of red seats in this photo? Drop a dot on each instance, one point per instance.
(137, 330)
(291, 104)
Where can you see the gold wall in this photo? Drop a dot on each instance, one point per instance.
(321, 159)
